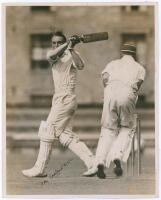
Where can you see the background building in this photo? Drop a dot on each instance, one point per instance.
(28, 29)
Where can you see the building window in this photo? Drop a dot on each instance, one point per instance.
(134, 8)
(40, 8)
(139, 40)
(40, 44)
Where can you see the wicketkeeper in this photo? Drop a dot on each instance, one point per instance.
(122, 79)
(65, 63)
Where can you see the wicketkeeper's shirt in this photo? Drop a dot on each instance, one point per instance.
(125, 70)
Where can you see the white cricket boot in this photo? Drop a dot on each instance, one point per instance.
(38, 170)
(92, 171)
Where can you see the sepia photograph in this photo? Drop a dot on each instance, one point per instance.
(80, 90)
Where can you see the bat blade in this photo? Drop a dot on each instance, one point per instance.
(94, 37)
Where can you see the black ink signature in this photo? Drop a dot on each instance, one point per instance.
(57, 171)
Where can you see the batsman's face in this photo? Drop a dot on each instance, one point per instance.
(57, 41)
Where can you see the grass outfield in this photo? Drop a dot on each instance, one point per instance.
(65, 177)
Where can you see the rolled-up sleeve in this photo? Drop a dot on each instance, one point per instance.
(141, 74)
(50, 59)
(107, 69)
(82, 61)
(104, 71)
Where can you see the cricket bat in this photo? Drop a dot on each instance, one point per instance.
(94, 37)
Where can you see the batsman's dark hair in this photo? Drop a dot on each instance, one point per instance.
(60, 34)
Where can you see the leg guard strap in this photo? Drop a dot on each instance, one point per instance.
(67, 137)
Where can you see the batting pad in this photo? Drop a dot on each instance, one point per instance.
(46, 131)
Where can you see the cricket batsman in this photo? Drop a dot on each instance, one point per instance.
(65, 62)
(122, 79)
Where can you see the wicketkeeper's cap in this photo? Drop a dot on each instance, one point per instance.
(128, 48)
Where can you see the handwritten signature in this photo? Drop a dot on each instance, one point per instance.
(57, 171)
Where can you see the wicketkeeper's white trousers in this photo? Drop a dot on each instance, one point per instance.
(113, 145)
(105, 142)
(121, 147)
